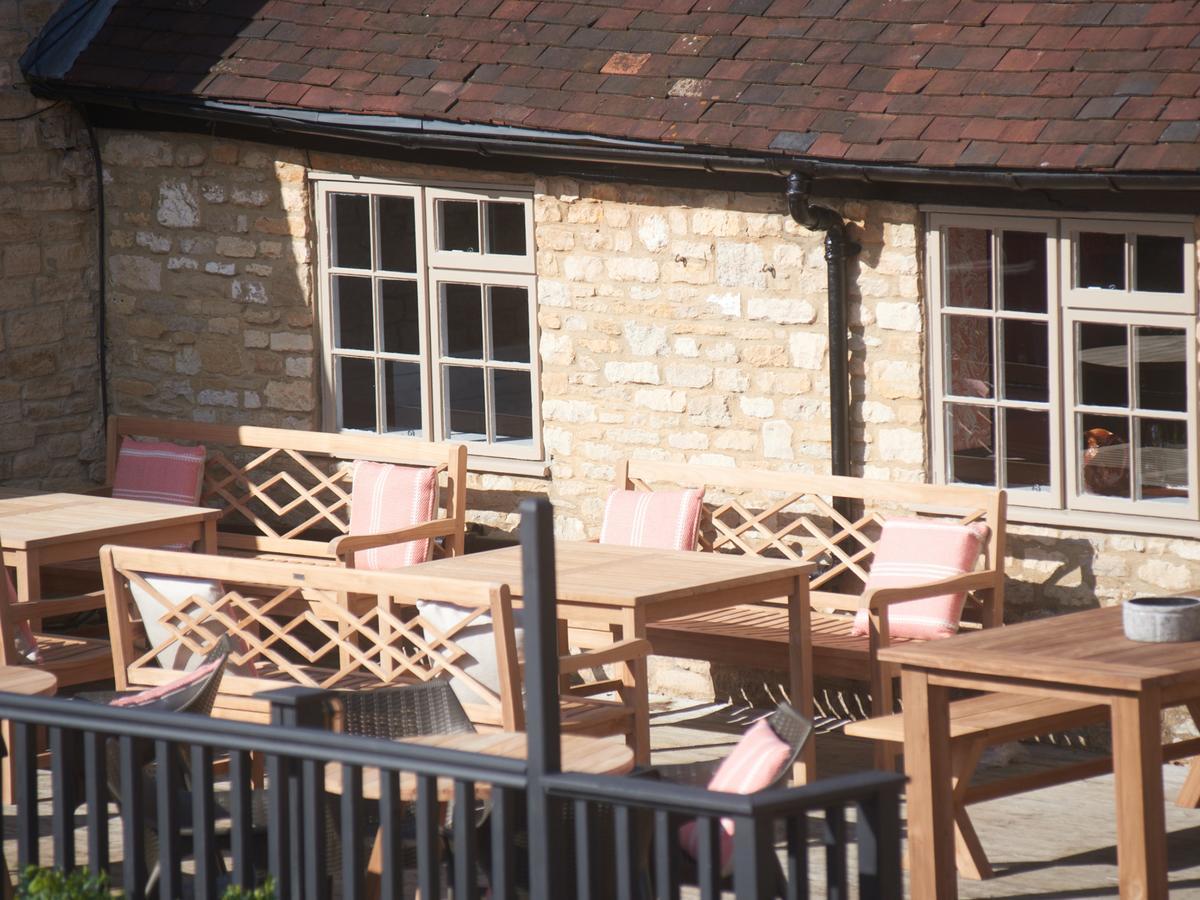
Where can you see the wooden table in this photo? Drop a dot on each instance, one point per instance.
(605, 586)
(1083, 656)
(588, 755)
(44, 529)
(29, 681)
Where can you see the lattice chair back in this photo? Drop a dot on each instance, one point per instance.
(318, 626)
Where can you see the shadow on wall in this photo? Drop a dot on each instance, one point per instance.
(1048, 576)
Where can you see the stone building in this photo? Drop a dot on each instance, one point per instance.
(561, 232)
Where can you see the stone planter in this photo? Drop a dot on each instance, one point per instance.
(1162, 619)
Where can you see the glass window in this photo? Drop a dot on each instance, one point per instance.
(428, 314)
(1064, 361)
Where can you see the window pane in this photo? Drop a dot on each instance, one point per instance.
(514, 405)
(1101, 260)
(1024, 271)
(1105, 449)
(505, 228)
(1025, 352)
(465, 405)
(972, 443)
(1159, 264)
(357, 390)
(397, 234)
(510, 324)
(1163, 459)
(1027, 459)
(969, 356)
(969, 268)
(351, 231)
(462, 320)
(352, 301)
(402, 397)
(458, 225)
(1161, 368)
(400, 316)
(1103, 364)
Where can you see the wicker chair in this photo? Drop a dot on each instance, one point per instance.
(792, 728)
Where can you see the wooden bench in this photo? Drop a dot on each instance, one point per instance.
(792, 515)
(977, 723)
(286, 493)
(385, 635)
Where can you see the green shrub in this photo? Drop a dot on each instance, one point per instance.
(265, 891)
(54, 884)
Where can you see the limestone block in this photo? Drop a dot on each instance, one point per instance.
(728, 304)
(235, 247)
(688, 440)
(777, 440)
(187, 361)
(645, 339)
(808, 349)
(568, 410)
(874, 411)
(245, 291)
(1170, 577)
(645, 271)
(654, 232)
(899, 316)
(781, 311)
(689, 375)
(730, 381)
(217, 398)
(292, 396)
(583, 268)
(757, 407)
(136, 150)
(288, 342)
(250, 197)
(761, 355)
(740, 265)
(632, 372)
(660, 400)
(896, 379)
(718, 222)
(135, 272)
(219, 268)
(558, 441)
(904, 445)
(251, 400)
(712, 459)
(712, 412)
(182, 264)
(212, 191)
(177, 206)
(556, 349)
(736, 439)
(685, 346)
(298, 366)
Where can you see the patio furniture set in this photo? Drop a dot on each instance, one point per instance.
(337, 562)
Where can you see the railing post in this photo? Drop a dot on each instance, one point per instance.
(292, 707)
(541, 694)
(878, 829)
(755, 869)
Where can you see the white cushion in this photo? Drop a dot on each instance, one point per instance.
(175, 590)
(477, 640)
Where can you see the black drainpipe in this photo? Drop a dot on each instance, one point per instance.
(838, 249)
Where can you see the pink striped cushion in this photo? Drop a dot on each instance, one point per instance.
(162, 691)
(917, 551)
(23, 637)
(158, 471)
(664, 519)
(754, 764)
(386, 498)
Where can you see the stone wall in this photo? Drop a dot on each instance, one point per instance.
(675, 324)
(50, 424)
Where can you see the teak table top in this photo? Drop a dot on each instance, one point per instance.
(27, 680)
(614, 575)
(1085, 649)
(29, 520)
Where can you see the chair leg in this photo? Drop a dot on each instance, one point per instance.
(968, 851)
(1189, 794)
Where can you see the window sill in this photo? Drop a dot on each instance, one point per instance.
(1076, 520)
(493, 465)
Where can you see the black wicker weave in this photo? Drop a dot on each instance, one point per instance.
(407, 711)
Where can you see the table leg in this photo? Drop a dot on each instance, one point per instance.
(800, 680)
(1189, 794)
(29, 582)
(208, 537)
(1137, 770)
(930, 794)
(636, 680)
(972, 861)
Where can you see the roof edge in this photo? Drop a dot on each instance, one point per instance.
(502, 140)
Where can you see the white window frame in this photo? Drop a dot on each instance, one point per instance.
(482, 268)
(1067, 306)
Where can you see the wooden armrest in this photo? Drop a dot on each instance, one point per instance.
(620, 651)
(887, 596)
(343, 546)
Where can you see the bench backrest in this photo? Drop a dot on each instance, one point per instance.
(287, 491)
(318, 626)
(792, 515)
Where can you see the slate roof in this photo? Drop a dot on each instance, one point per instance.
(1066, 85)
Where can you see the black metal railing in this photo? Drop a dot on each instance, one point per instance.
(192, 802)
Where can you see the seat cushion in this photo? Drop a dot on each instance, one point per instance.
(160, 472)
(175, 591)
(387, 498)
(754, 764)
(917, 551)
(478, 643)
(664, 519)
(164, 694)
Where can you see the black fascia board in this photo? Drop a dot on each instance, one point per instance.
(502, 148)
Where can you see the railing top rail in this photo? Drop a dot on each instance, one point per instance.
(644, 792)
(300, 743)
